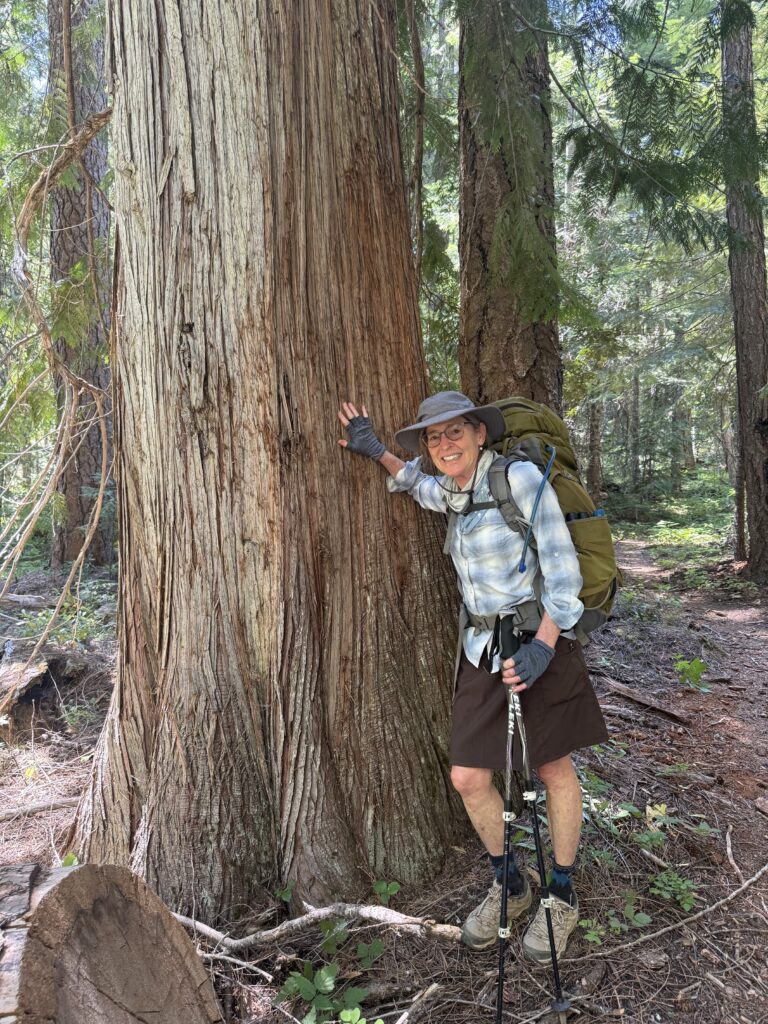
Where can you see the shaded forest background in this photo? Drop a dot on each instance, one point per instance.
(637, 285)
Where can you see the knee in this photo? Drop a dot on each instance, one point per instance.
(471, 783)
(557, 773)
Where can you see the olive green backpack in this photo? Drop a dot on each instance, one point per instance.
(536, 434)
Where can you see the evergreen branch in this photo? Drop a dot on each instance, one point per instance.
(71, 152)
(663, 219)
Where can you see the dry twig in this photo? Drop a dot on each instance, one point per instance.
(347, 911)
(729, 853)
(422, 997)
(671, 927)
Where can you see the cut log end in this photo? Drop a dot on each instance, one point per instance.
(93, 943)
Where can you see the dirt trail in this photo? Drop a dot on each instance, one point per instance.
(729, 730)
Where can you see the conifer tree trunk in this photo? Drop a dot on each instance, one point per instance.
(633, 431)
(79, 264)
(595, 460)
(687, 438)
(746, 262)
(286, 627)
(508, 340)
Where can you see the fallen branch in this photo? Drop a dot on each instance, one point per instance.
(729, 854)
(45, 805)
(421, 998)
(657, 860)
(347, 911)
(27, 602)
(643, 700)
(671, 927)
(238, 963)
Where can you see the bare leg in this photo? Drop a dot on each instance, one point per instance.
(483, 804)
(563, 807)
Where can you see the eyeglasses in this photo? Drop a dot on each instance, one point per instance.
(431, 438)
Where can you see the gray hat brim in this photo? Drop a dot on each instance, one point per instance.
(410, 437)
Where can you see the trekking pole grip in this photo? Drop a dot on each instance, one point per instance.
(509, 638)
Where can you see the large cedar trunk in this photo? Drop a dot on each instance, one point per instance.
(746, 262)
(286, 627)
(79, 262)
(508, 343)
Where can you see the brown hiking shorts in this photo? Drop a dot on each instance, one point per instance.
(560, 712)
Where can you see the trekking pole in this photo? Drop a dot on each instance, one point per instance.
(510, 643)
(513, 642)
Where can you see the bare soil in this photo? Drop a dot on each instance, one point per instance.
(694, 770)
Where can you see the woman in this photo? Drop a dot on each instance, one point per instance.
(561, 712)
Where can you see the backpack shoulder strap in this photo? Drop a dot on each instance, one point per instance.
(502, 493)
(449, 532)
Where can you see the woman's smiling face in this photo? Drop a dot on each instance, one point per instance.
(457, 456)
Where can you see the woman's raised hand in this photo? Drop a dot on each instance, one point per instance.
(360, 438)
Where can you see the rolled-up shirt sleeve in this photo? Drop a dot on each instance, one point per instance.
(422, 488)
(558, 561)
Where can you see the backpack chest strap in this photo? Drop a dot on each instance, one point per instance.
(501, 494)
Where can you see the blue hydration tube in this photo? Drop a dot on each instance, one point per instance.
(527, 539)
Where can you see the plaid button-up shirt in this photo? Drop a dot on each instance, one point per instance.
(486, 552)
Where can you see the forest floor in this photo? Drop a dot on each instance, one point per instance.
(675, 822)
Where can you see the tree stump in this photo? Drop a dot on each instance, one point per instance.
(93, 945)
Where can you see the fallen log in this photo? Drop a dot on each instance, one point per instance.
(93, 943)
(28, 602)
(16, 679)
(643, 700)
(54, 804)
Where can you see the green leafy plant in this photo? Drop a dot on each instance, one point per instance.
(635, 917)
(593, 930)
(670, 886)
(336, 934)
(286, 893)
(315, 988)
(649, 839)
(354, 1017)
(368, 953)
(703, 828)
(385, 890)
(690, 672)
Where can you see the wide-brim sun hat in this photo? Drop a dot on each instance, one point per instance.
(446, 405)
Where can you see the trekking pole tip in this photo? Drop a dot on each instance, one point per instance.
(561, 1007)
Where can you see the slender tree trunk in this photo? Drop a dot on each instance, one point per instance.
(688, 438)
(284, 677)
(746, 262)
(633, 431)
(595, 459)
(80, 266)
(508, 341)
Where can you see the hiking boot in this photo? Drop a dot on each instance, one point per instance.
(481, 929)
(536, 939)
